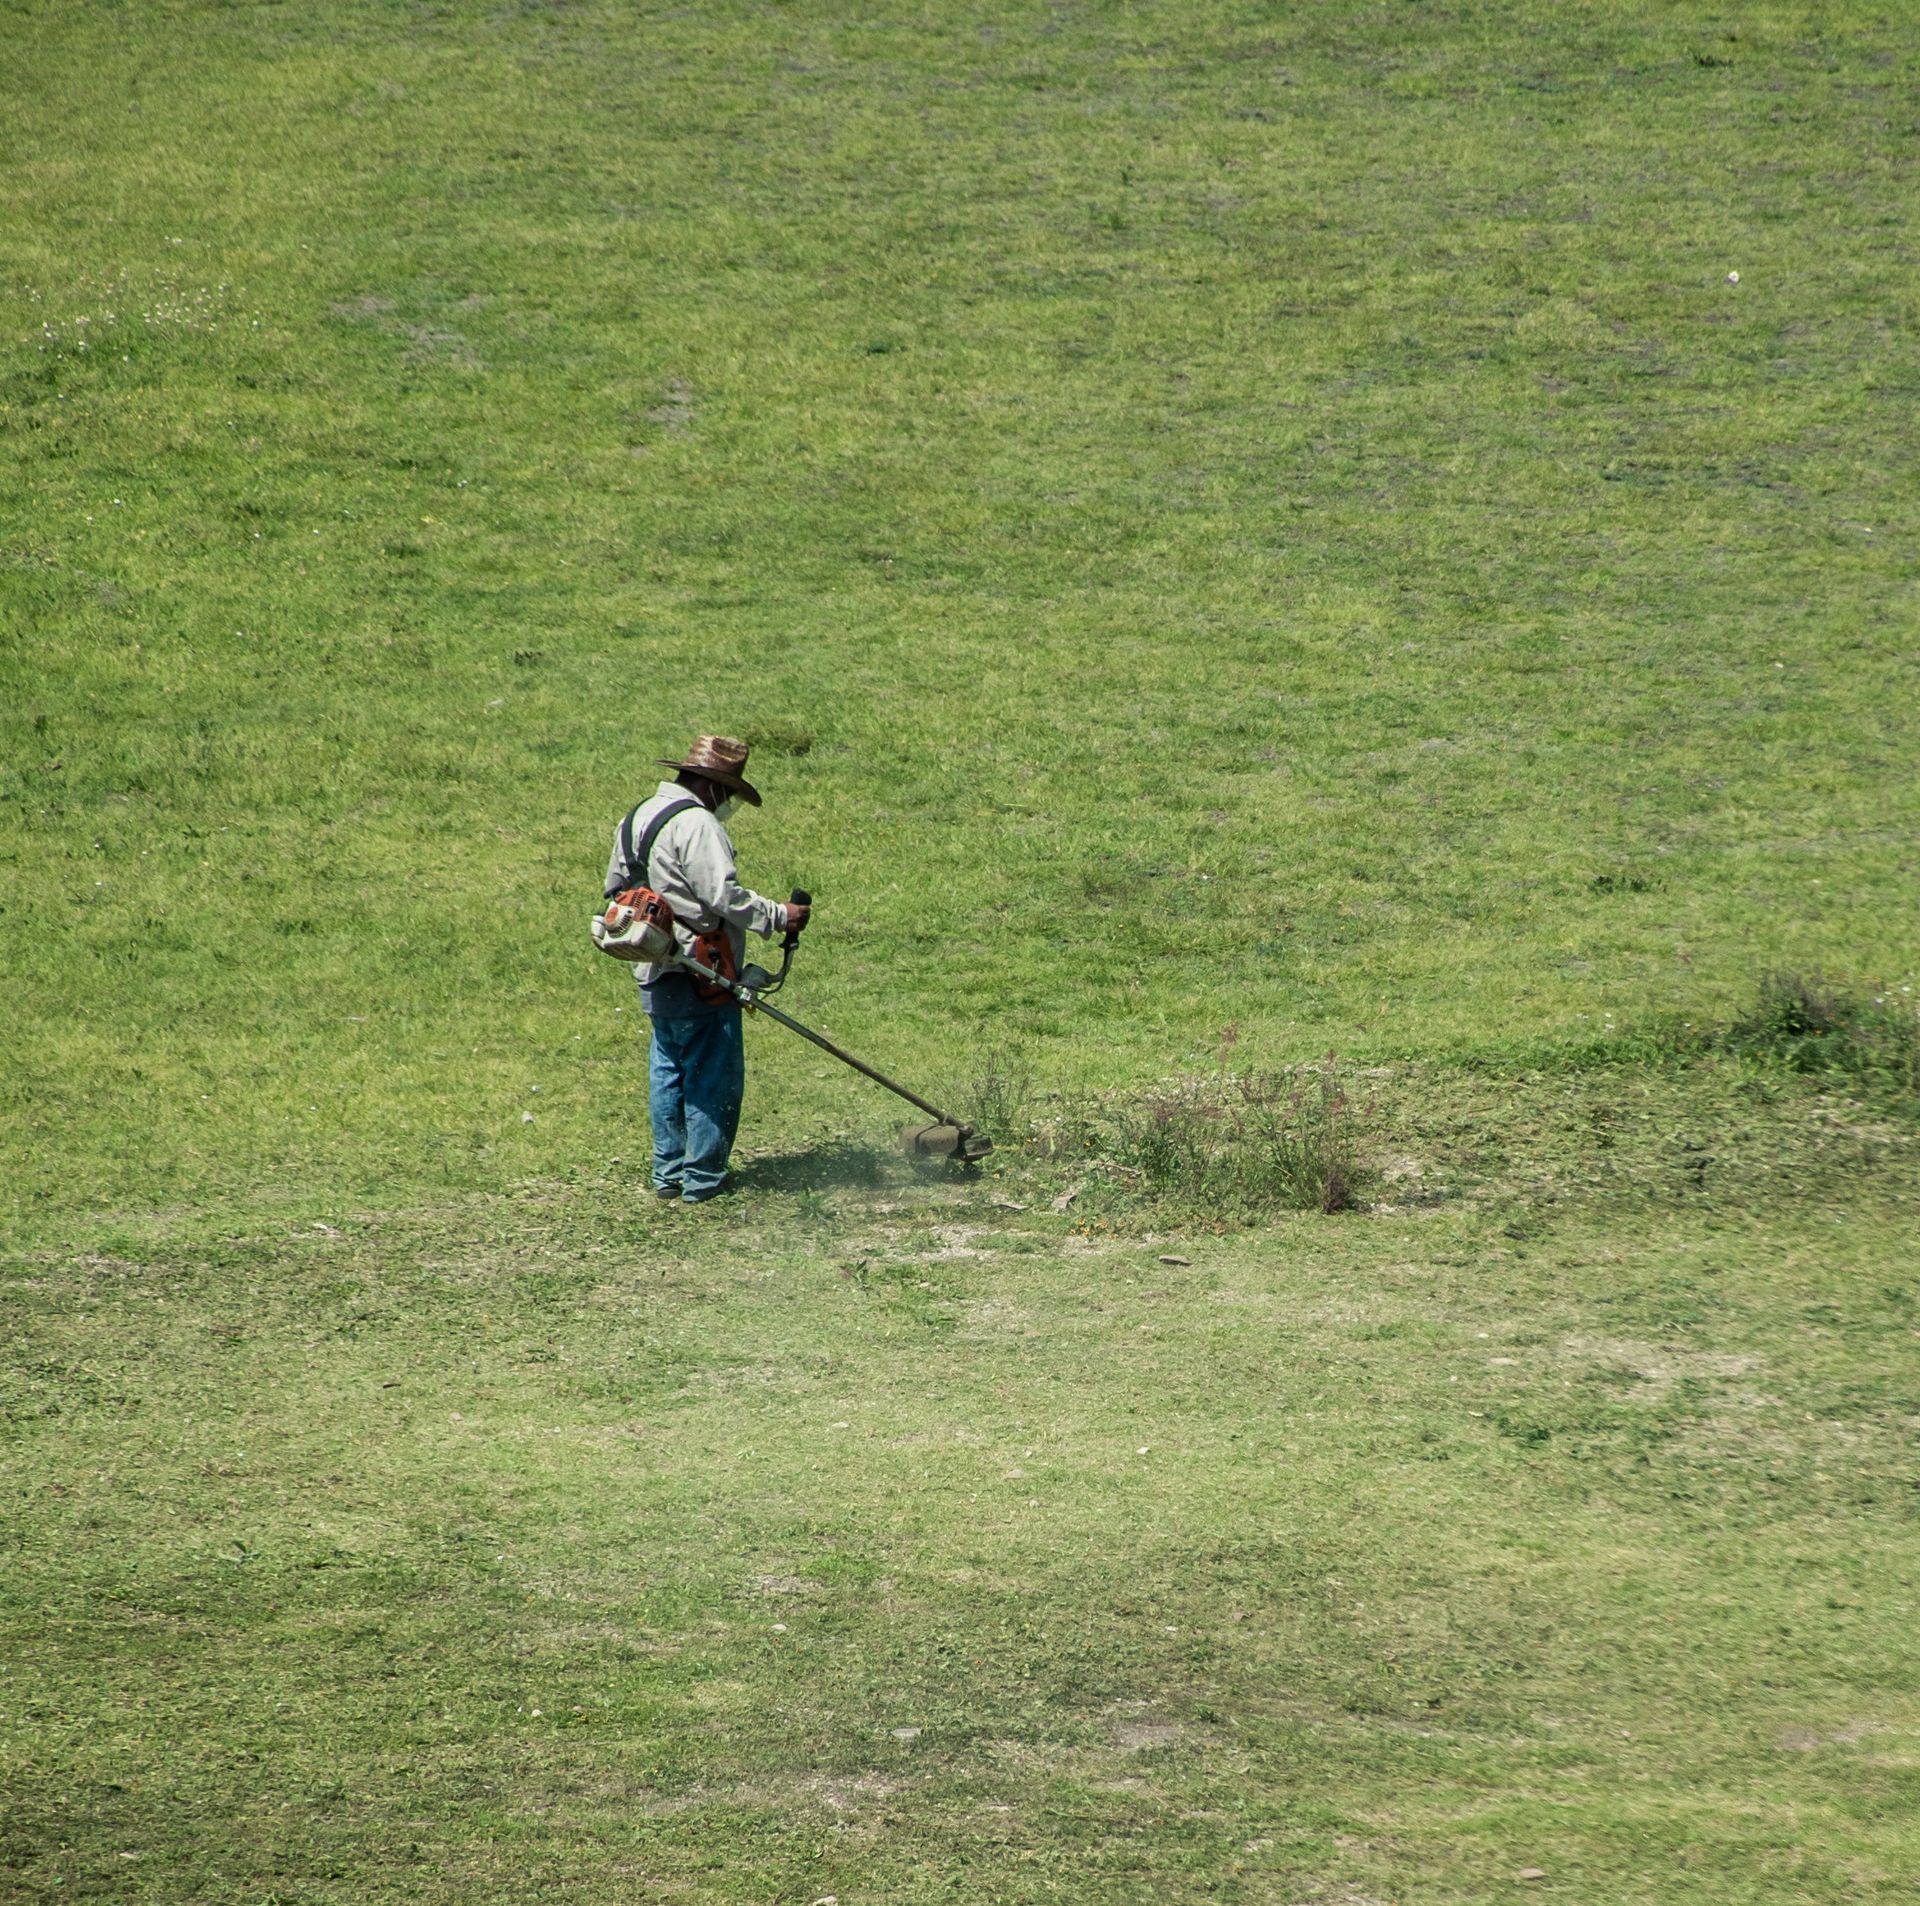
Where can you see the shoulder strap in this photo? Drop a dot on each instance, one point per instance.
(635, 857)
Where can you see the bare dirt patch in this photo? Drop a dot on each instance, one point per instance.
(433, 344)
(785, 1585)
(675, 412)
(1136, 1737)
(995, 1317)
(1805, 1740)
(1658, 1366)
(956, 1240)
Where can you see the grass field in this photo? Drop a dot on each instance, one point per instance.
(1236, 532)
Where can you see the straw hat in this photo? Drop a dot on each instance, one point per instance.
(720, 758)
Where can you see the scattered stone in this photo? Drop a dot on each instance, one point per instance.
(906, 1733)
(1174, 1257)
(1533, 1872)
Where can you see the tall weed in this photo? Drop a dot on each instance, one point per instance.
(1865, 1038)
(998, 1099)
(1809, 1023)
(1287, 1141)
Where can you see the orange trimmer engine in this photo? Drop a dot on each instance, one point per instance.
(637, 926)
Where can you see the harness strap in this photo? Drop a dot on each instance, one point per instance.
(635, 859)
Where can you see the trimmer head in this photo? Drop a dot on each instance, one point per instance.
(960, 1142)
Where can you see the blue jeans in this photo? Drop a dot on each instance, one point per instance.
(696, 1077)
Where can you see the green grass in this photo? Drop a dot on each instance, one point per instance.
(501, 1551)
(1262, 516)
(1236, 532)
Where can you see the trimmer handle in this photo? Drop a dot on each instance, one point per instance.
(799, 897)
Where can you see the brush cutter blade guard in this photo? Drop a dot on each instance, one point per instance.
(960, 1142)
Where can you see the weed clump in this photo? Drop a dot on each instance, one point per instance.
(1286, 1141)
(1808, 1023)
(1834, 1033)
(999, 1098)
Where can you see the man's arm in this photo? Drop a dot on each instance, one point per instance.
(706, 861)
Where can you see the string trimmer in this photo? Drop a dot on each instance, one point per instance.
(946, 1137)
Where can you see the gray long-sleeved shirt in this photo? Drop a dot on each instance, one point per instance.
(691, 868)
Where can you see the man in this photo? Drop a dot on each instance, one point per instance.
(697, 1068)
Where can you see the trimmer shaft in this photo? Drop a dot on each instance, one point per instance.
(946, 1137)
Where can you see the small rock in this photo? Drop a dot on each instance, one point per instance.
(1008, 1204)
(1065, 1198)
(1174, 1257)
(906, 1733)
(1533, 1873)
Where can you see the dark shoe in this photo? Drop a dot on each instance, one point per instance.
(707, 1197)
(665, 1192)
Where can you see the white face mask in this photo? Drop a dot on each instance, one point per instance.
(723, 810)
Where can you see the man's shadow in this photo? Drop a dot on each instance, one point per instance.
(833, 1164)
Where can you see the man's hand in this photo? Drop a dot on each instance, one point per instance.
(799, 912)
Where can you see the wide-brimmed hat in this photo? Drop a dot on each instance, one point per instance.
(720, 758)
